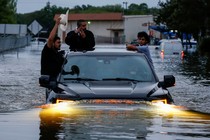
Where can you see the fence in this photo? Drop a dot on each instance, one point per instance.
(13, 42)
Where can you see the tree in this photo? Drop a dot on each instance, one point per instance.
(186, 16)
(7, 11)
(141, 9)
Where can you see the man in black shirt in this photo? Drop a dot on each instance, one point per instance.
(51, 59)
(80, 39)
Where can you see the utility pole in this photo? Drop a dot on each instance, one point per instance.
(124, 9)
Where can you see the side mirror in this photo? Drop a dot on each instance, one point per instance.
(47, 82)
(75, 70)
(169, 81)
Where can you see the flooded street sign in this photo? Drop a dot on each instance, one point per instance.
(35, 27)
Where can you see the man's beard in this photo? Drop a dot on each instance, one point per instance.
(57, 48)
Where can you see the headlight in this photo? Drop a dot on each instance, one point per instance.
(65, 101)
(163, 101)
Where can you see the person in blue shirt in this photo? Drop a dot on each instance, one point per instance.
(142, 46)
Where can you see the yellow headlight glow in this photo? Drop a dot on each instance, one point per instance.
(163, 101)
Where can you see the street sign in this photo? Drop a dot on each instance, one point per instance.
(35, 27)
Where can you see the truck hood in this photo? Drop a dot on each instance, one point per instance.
(110, 89)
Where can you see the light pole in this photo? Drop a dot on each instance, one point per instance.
(124, 9)
(89, 22)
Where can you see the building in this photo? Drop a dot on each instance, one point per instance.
(110, 27)
(136, 23)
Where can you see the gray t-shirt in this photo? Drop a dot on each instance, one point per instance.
(145, 49)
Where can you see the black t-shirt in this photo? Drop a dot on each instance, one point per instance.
(51, 62)
(77, 43)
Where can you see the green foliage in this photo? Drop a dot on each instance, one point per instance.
(93, 9)
(7, 11)
(135, 9)
(204, 45)
(186, 16)
(44, 17)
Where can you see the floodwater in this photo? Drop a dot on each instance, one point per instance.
(24, 116)
(192, 79)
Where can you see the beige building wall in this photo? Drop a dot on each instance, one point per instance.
(99, 28)
(126, 30)
(105, 28)
(134, 24)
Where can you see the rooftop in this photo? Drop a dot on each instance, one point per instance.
(95, 16)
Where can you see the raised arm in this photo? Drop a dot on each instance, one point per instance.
(131, 47)
(53, 33)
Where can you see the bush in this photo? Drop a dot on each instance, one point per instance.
(205, 45)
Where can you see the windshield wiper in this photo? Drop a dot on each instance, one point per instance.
(121, 79)
(81, 79)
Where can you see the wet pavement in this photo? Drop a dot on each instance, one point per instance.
(22, 118)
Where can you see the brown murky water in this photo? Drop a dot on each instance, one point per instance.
(21, 119)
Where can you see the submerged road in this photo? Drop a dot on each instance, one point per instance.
(22, 118)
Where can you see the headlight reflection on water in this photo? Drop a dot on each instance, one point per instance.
(167, 108)
(178, 111)
(158, 108)
(61, 108)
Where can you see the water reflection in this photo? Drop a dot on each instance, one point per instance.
(197, 66)
(50, 126)
(98, 122)
(123, 122)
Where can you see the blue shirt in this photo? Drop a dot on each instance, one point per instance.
(145, 49)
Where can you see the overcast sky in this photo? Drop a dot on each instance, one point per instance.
(27, 6)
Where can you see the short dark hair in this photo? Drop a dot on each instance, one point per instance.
(56, 38)
(79, 22)
(145, 35)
